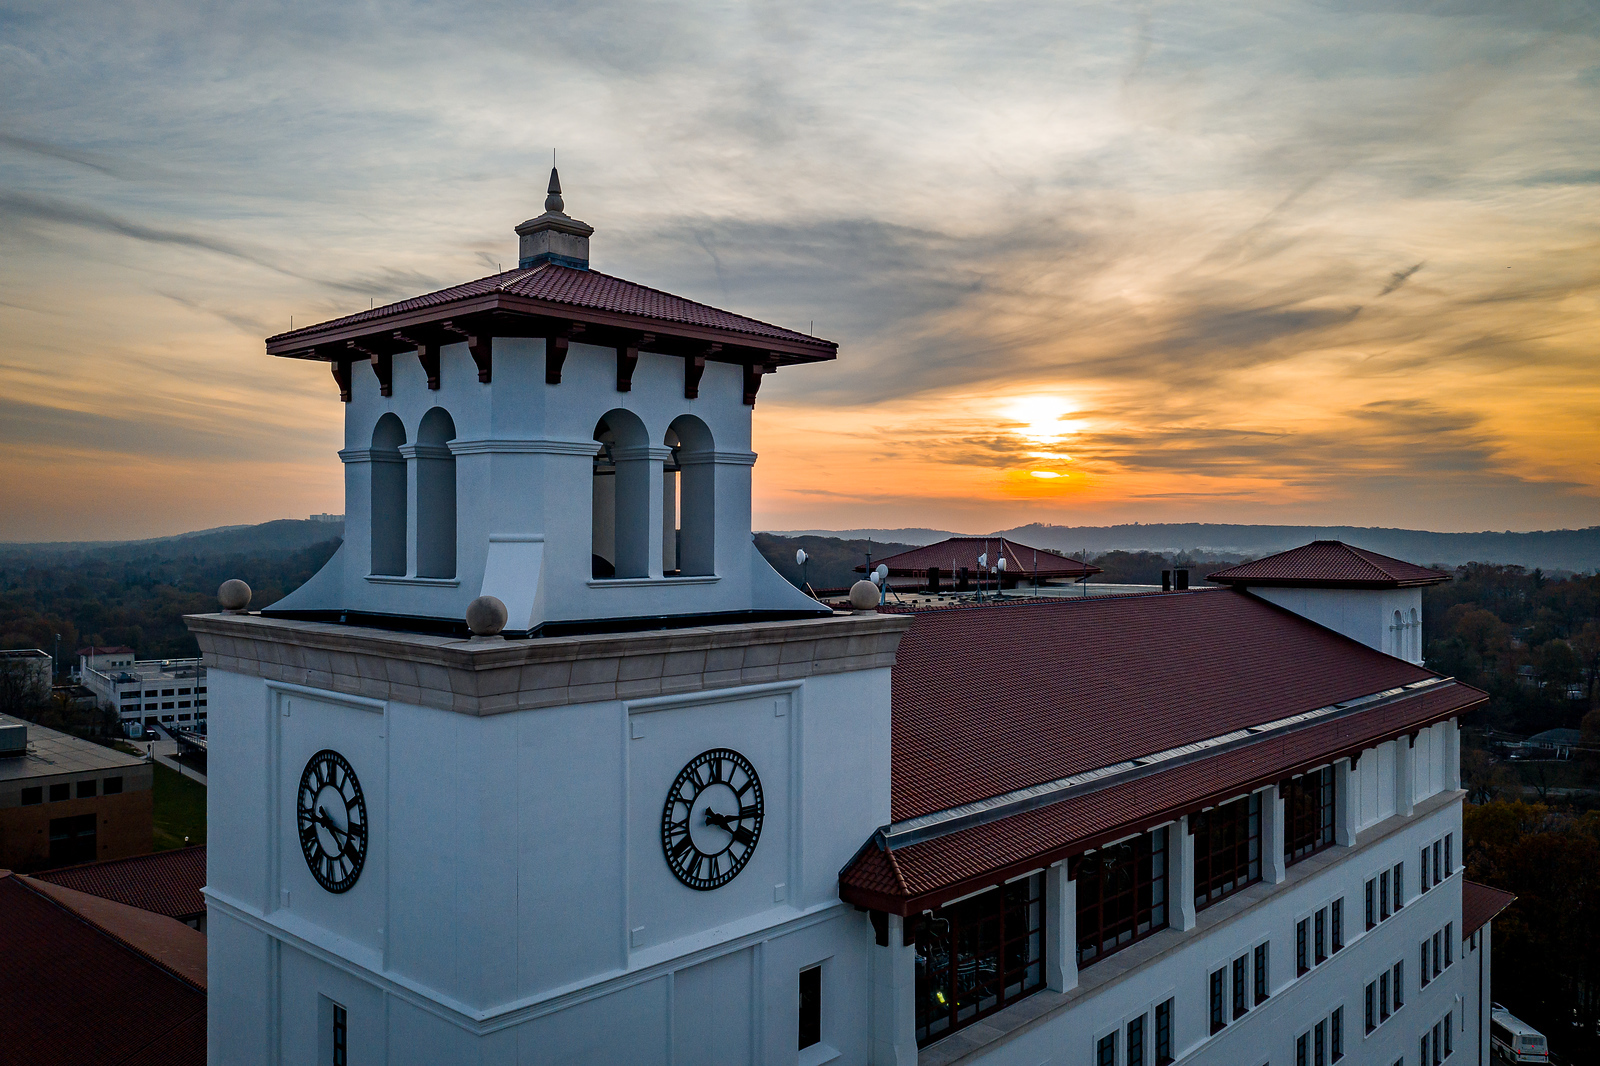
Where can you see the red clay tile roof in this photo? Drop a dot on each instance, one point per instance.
(166, 882)
(1480, 904)
(956, 552)
(988, 700)
(1329, 564)
(917, 876)
(74, 994)
(567, 286)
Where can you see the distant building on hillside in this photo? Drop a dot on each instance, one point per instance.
(169, 692)
(64, 800)
(959, 563)
(325, 517)
(25, 675)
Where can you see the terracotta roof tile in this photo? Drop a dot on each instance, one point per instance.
(955, 552)
(933, 871)
(74, 994)
(553, 283)
(990, 700)
(1480, 904)
(1329, 564)
(166, 882)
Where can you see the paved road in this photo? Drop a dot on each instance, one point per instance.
(165, 750)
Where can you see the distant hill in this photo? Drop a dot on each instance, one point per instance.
(1576, 550)
(831, 561)
(286, 534)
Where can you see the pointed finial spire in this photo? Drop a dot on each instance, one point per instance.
(554, 237)
(553, 201)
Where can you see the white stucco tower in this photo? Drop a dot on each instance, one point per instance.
(610, 833)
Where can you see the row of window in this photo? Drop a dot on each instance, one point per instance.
(1386, 995)
(110, 786)
(1378, 894)
(151, 693)
(128, 708)
(1442, 954)
(1438, 1043)
(1317, 936)
(1134, 1038)
(1251, 986)
(1442, 854)
(1323, 1043)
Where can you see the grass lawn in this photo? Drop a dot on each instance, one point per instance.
(180, 809)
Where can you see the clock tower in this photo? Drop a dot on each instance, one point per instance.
(547, 764)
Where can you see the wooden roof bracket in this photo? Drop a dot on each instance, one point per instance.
(382, 366)
(481, 347)
(427, 355)
(341, 376)
(694, 368)
(753, 373)
(555, 351)
(628, 359)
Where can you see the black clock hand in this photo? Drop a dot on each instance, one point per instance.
(720, 820)
(322, 817)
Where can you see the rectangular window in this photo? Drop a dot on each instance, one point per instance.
(1422, 1053)
(1372, 903)
(1336, 1035)
(1106, 1050)
(1241, 991)
(1372, 1006)
(33, 795)
(1399, 881)
(183, 692)
(86, 789)
(1424, 883)
(72, 840)
(1449, 1039)
(1308, 814)
(111, 786)
(1449, 943)
(1122, 894)
(1336, 923)
(1319, 1044)
(1262, 982)
(167, 706)
(1399, 974)
(1302, 953)
(201, 691)
(183, 703)
(1437, 967)
(166, 692)
(1449, 859)
(341, 1034)
(1321, 925)
(1383, 997)
(1438, 1045)
(978, 955)
(1422, 981)
(1302, 1050)
(1215, 999)
(1383, 895)
(1163, 1033)
(810, 1007)
(150, 692)
(60, 792)
(1437, 844)
(1136, 1042)
(1227, 849)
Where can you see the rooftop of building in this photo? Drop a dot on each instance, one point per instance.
(89, 980)
(149, 670)
(97, 650)
(165, 882)
(1329, 564)
(1013, 738)
(24, 653)
(51, 752)
(953, 553)
(1480, 904)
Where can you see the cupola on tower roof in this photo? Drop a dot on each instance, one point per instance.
(554, 237)
(572, 443)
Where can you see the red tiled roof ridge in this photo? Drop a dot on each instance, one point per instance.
(162, 941)
(1329, 563)
(519, 282)
(1481, 904)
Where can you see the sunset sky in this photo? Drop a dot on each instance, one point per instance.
(1294, 262)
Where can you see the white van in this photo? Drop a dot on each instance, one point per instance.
(1513, 1039)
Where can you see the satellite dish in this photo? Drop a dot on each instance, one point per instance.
(800, 557)
(882, 572)
(875, 578)
(983, 560)
(1002, 564)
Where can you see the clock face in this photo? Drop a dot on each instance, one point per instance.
(712, 819)
(332, 815)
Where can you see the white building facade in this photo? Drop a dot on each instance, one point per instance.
(667, 809)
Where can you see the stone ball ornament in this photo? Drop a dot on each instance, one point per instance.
(233, 595)
(863, 595)
(486, 616)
